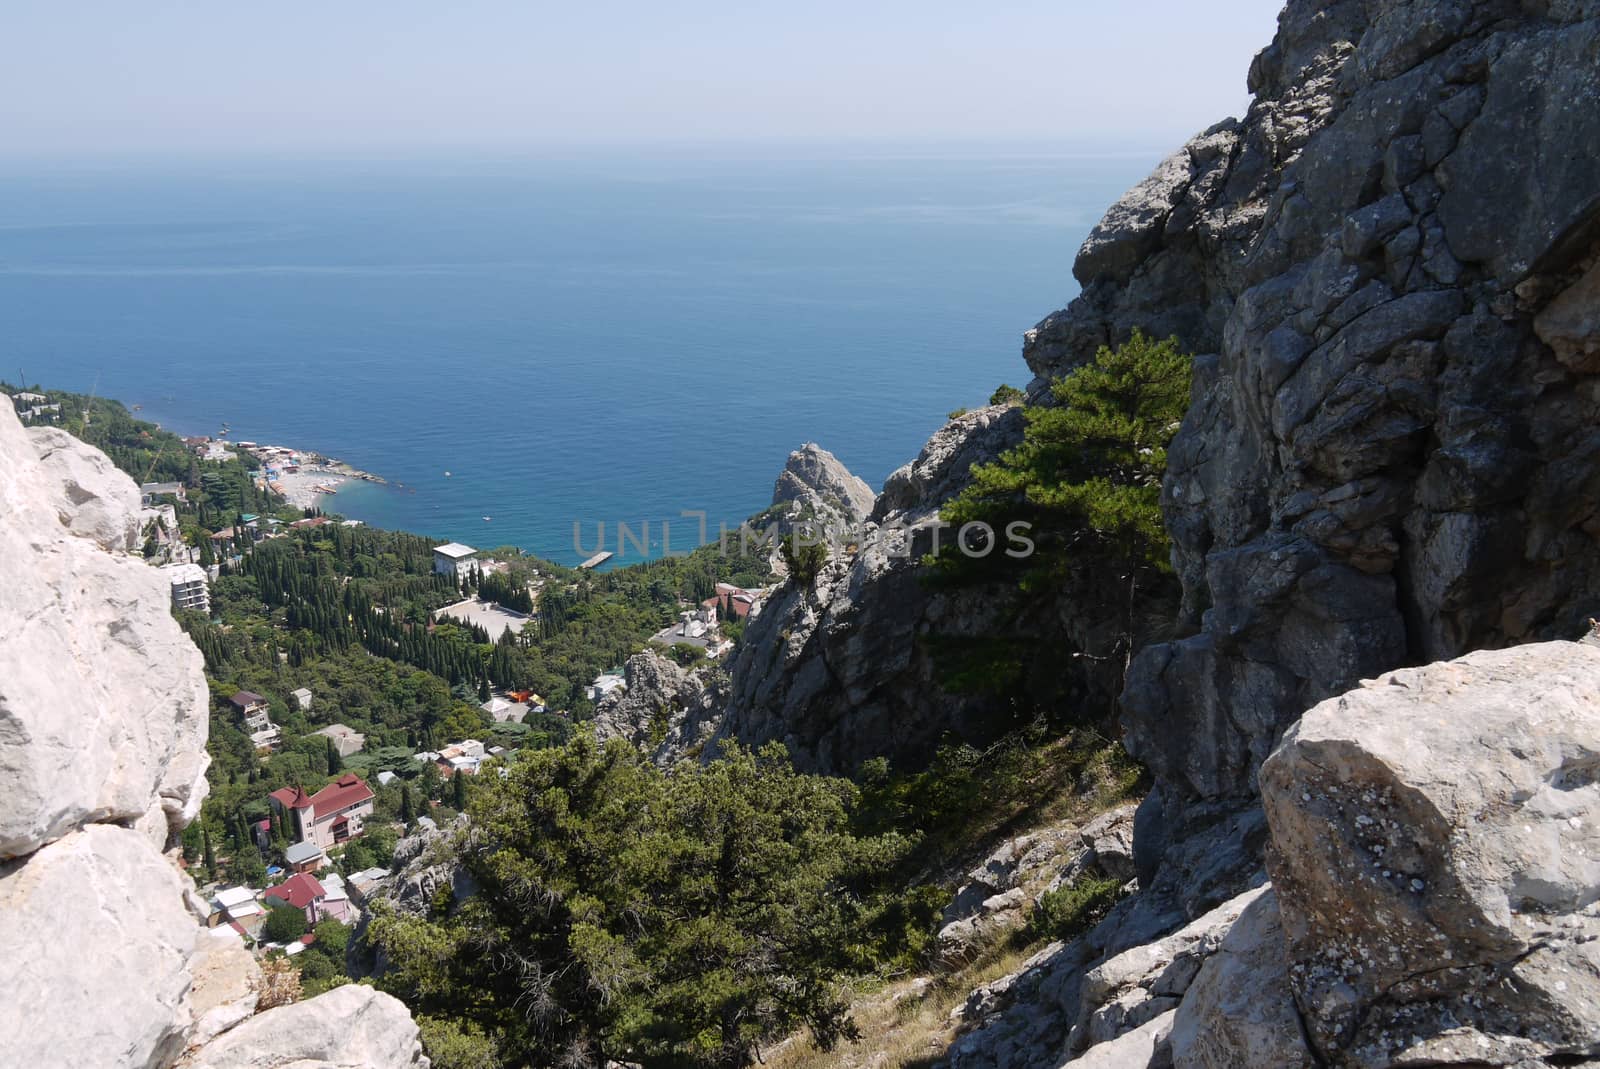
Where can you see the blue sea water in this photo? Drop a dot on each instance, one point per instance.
(598, 339)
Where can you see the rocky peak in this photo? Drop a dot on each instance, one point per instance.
(817, 482)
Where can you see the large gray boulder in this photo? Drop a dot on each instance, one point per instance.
(97, 940)
(103, 703)
(347, 1027)
(1436, 855)
(94, 499)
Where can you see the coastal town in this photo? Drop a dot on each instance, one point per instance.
(321, 791)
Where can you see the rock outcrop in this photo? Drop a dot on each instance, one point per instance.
(1389, 269)
(349, 1026)
(815, 483)
(842, 671)
(666, 711)
(1432, 845)
(856, 664)
(103, 722)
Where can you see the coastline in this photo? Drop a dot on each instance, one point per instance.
(303, 478)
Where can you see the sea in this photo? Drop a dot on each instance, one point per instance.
(522, 346)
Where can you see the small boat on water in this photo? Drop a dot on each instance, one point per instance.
(447, 475)
(486, 519)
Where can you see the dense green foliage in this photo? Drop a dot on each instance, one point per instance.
(1070, 521)
(284, 922)
(1087, 475)
(623, 912)
(804, 553)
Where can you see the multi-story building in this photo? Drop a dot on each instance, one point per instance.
(333, 815)
(189, 587)
(453, 559)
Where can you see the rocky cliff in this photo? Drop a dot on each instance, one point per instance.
(1390, 271)
(1391, 453)
(103, 720)
(840, 670)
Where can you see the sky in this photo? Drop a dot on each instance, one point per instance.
(95, 78)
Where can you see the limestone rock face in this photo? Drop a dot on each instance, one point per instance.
(850, 668)
(96, 501)
(1147, 981)
(941, 470)
(1239, 1010)
(1436, 854)
(666, 711)
(1387, 267)
(97, 941)
(103, 704)
(227, 983)
(103, 719)
(815, 478)
(346, 1027)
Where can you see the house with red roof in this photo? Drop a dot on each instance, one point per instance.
(305, 892)
(333, 815)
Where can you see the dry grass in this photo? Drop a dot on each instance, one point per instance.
(907, 1024)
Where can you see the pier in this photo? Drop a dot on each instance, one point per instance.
(597, 560)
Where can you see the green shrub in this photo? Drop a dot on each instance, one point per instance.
(1069, 911)
(1006, 394)
(803, 556)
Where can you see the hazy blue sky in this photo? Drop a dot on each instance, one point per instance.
(96, 77)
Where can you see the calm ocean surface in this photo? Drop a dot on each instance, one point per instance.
(607, 339)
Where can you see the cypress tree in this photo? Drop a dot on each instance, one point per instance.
(459, 791)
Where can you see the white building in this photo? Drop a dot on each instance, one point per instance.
(189, 589)
(452, 559)
(602, 686)
(302, 698)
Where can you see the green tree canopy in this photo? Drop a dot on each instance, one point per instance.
(284, 923)
(669, 918)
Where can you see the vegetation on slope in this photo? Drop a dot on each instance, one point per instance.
(1086, 482)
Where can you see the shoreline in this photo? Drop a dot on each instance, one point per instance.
(314, 476)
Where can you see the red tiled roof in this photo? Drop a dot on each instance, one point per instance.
(349, 789)
(299, 890)
(291, 797)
